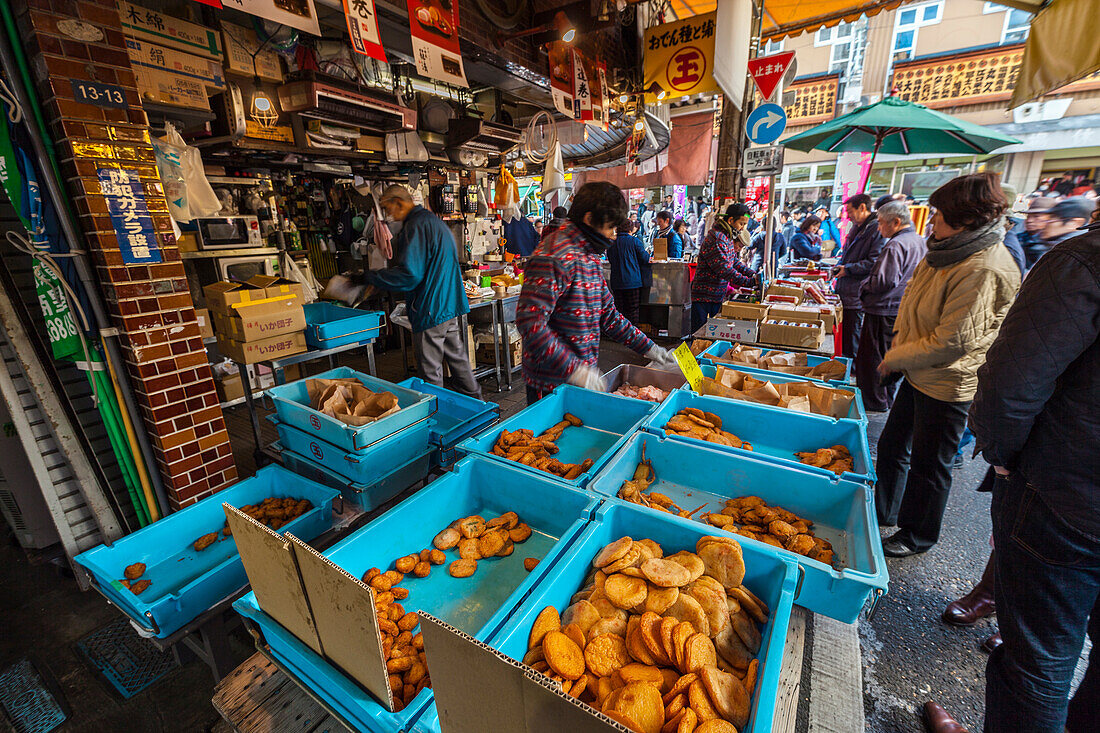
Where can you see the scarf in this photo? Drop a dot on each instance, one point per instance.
(952, 250)
(723, 226)
(597, 241)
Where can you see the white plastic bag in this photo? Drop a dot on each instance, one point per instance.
(554, 176)
(189, 194)
(405, 147)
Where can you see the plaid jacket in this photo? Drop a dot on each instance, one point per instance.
(564, 305)
(718, 267)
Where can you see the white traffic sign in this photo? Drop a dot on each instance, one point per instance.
(767, 161)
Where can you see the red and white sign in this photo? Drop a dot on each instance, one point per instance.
(767, 71)
(435, 41)
(582, 89)
(363, 28)
(561, 77)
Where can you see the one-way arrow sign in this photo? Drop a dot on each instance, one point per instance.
(768, 70)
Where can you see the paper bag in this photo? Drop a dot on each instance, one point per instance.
(800, 403)
(349, 401)
(832, 402)
(831, 369)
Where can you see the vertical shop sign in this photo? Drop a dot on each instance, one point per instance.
(130, 215)
(597, 76)
(363, 28)
(582, 90)
(561, 76)
(435, 40)
(60, 327)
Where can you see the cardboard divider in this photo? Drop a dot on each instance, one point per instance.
(272, 569)
(345, 618)
(478, 688)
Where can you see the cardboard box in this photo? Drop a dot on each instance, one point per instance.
(223, 295)
(206, 325)
(152, 25)
(164, 87)
(796, 293)
(161, 58)
(240, 45)
(229, 387)
(824, 313)
(660, 248)
(261, 321)
(512, 356)
(277, 347)
(744, 311)
(275, 134)
(730, 329)
(808, 336)
(276, 286)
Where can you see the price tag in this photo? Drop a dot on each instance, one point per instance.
(689, 366)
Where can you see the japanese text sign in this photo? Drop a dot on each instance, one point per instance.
(767, 71)
(561, 76)
(434, 31)
(137, 238)
(363, 28)
(679, 57)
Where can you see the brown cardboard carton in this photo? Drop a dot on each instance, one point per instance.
(276, 286)
(796, 293)
(229, 387)
(223, 295)
(250, 352)
(261, 321)
(803, 335)
(660, 248)
(744, 311)
(206, 325)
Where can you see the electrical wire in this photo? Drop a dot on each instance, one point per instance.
(533, 130)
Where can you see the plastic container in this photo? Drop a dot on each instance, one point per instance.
(457, 416)
(292, 407)
(719, 349)
(363, 467)
(855, 411)
(366, 496)
(607, 419)
(477, 605)
(329, 325)
(768, 575)
(185, 583)
(640, 376)
(843, 512)
(775, 435)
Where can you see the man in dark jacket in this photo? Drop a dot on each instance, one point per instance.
(1036, 416)
(880, 295)
(860, 253)
(628, 259)
(1063, 222)
(756, 246)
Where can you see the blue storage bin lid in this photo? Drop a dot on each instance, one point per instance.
(456, 414)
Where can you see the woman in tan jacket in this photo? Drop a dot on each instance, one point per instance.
(948, 317)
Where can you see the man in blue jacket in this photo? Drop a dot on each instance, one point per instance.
(425, 267)
(628, 260)
(859, 256)
(665, 230)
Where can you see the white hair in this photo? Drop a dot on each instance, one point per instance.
(894, 211)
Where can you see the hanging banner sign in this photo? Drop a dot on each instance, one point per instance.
(597, 78)
(435, 40)
(679, 57)
(363, 28)
(300, 14)
(582, 90)
(137, 238)
(561, 76)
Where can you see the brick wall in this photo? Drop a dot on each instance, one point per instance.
(150, 304)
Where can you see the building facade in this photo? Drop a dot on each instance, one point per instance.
(960, 57)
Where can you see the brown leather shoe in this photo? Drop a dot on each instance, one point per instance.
(970, 609)
(992, 642)
(936, 720)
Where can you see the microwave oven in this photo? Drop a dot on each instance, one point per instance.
(228, 232)
(240, 269)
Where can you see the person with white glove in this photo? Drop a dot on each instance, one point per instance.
(662, 359)
(566, 305)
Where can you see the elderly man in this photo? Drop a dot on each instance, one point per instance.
(880, 295)
(425, 268)
(1028, 232)
(859, 256)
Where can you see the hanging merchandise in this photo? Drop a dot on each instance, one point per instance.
(189, 194)
(363, 28)
(405, 147)
(553, 178)
(600, 95)
(383, 238)
(506, 196)
(582, 90)
(434, 28)
(520, 237)
(561, 76)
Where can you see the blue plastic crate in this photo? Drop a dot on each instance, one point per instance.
(767, 574)
(719, 349)
(329, 325)
(843, 512)
(366, 496)
(363, 467)
(457, 416)
(608, 419)
(292, 407)
(775, 435)
(855, 412)
(186, 583)
(478, 605)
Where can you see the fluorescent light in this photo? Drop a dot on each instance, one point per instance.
(639, 125)
(569, 35)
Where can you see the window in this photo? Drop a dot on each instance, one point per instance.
(838, 33)
(1017, 25)
(839, 58)
(908, 22)
(825, 173)
(773, 47)
(799, 174)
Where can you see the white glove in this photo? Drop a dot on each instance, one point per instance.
(662, 359)
(587, 377)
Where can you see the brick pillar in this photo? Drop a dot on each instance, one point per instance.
(149, 304)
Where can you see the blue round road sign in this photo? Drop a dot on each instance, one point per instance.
(766, 123)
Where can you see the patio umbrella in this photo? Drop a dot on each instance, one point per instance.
(899, 127)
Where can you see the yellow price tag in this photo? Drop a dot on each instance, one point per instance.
(689, 366)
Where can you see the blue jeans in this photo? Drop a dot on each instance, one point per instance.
(1047, 585)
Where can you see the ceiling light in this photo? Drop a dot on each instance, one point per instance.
(624, 98)
(569, 35)
(262, 110)
(639, 125)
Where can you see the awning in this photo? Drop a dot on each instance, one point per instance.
(688, 158)
(1062, 46)
(791, 17)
